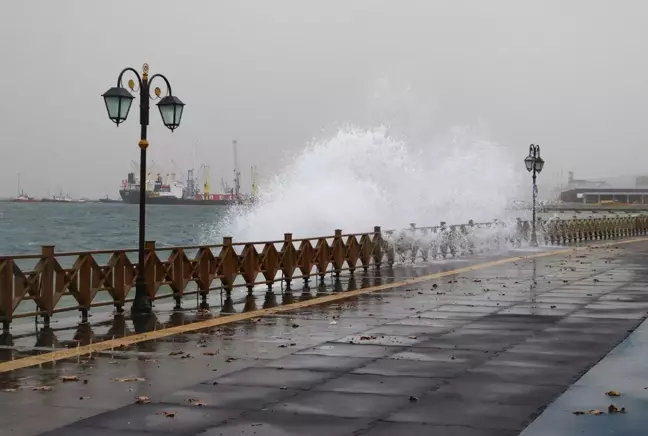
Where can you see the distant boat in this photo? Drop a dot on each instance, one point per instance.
(109, 200)
(23, 198)
(61, 199)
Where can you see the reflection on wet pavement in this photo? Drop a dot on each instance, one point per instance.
(479, 352)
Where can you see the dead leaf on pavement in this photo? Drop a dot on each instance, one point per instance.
(613, 394)
(42, 388)
(176, 353)
(195, 402)
(142, 400)
(167, 414)
(69, 378)
(210, 353)
(130, 379)
(589, 412)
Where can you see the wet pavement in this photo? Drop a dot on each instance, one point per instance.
(478, 353)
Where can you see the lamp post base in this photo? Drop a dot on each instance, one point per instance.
(534, 241)
(142, 303)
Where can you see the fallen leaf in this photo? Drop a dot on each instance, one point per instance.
(42, 388)
(176, 353)
(210, 353)
(130, 379)
(142, 400)
(413, 398)
(613, 394)
(69, 378)
(167, 414)
(295, 326)
(197, 403)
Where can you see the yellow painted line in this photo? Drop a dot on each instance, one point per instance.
(69, 353)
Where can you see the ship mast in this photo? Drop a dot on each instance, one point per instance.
(237, 174)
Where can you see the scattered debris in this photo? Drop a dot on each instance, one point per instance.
(176, 353)
(10, 390)
(195, 402)
(295, 326)
(69, 378)
(230, 359)
(413, 398)
(84, 398)
(167, 414)
(42, 388)
(613, 394)
(142, 400)
(614, 409)
(589, 412)
(130, 379)
(210, 353)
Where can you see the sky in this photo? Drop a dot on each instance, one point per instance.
(569, 75)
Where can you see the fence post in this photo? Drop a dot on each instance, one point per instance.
(47, 284)
(6, 292)
(378, 246)
(149, 269)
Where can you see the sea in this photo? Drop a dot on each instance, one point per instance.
(25, 227)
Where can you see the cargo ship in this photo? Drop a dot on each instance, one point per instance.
(168, 190)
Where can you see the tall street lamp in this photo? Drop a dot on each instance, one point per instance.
(534, 164)
(118, 102)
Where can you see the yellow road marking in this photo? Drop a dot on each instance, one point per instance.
(148, 336)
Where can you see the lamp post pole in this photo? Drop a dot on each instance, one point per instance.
(142, 303)
(534, 164)
(118, 101)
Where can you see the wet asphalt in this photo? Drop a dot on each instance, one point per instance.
(480, 353)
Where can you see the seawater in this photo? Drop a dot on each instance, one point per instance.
(360, 178)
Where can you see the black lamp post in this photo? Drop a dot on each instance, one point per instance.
(118, 102)
(534, 164)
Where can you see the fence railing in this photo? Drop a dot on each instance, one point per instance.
(58, 282)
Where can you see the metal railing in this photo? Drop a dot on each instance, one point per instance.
(60, 282)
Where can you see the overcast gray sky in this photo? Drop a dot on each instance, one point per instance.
(567, 74)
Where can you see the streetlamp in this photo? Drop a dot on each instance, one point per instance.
(118, 102)
(534, 164)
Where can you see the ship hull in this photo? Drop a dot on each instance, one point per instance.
(132, 197)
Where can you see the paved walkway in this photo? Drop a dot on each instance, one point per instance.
(478, 353)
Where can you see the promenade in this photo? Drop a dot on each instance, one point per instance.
(476, 346)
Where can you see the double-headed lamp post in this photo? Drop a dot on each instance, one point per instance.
(534, 164)
(118, 102)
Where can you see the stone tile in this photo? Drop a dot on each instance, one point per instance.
(319, 363)
(228, 396)
(352, 350)
(471, 339)
(405, 330)
(75, 430)
(342, 404)
(410, 429)
(150, 418)
(412, 368)
(274, 377)
(435, 314)
(435, 408)
(531, 374)
(376, 384)
(367, 339)
(265, 423)
(518, 310)
(533, 319)
(498, 392)
(468, 357)
(431, 322)
(467, 308)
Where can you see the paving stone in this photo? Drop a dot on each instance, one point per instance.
(342, 404)
(367, 339)
(151, 418)
(531, 374)
(274, 377)
(413, 368)
(468, 357)
(435, 408)
(431, 322)
(410, 429)
(376, 384)
(352, 350)
(471, 339)
(228, 396)
(435, 314)
(405, 330)
(467, 308)
(319, 363)
(498, 392)
(77, 430)
(266, 423)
